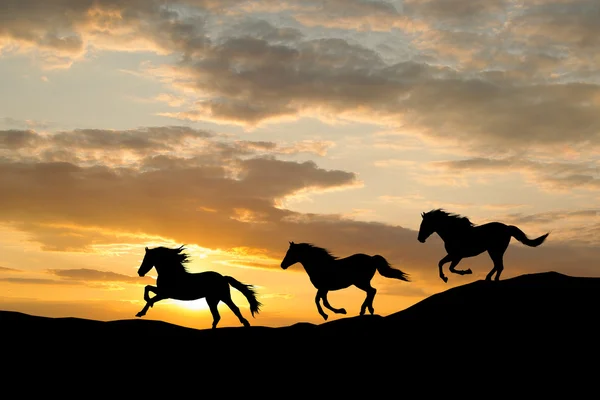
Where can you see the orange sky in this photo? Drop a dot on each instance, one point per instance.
(235, 127)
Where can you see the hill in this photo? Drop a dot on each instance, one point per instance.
(536, 317)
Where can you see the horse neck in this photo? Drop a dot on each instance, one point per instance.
(449, 231)
(166, 270)
(311, 264)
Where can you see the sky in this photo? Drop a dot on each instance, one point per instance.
(234, 127)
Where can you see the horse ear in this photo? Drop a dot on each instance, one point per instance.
(422, 215)
(291, 243)
(146, 249)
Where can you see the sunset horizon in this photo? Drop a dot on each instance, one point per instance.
(236, 127)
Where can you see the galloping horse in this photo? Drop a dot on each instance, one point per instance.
(464, 239)
(327, 272)
(175, 282)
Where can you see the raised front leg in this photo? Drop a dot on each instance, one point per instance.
(147, 291)
(453, 269)
(443, 261)
(150, 303)
(317, 302)
(326, 303)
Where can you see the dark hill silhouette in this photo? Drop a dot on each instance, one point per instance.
(534, 319)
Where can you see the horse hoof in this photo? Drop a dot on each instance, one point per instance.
(325, 316)
(139, 315)
(342, 311)
(468, 271)
(445, 279)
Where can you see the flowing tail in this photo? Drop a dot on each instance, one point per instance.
(521, 237)
(248, 292)
(385, 269)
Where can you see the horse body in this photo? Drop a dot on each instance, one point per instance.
(341, 274)
(191, 286)
(463, 239)
(476, 240)
(329, 273)
(175, 282)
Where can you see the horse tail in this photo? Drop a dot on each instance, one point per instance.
(248, 291)
(385, 269)
(521, 237)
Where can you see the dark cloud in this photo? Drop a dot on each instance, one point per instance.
(455, 10)
(17, 139)
(143, 139)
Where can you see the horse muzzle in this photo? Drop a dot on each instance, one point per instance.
(421, 240)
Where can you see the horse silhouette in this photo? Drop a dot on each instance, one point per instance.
(463, 239)
(175, 282)
(327, 272)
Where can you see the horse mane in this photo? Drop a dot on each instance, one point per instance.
(176, 257)
(318, 251)
(442, 215)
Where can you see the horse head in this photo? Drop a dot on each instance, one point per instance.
(427, 227)
(291, 257)
(147, 263)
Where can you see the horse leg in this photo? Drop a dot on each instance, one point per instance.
(147, 291)
(326, 303)
(453, 269)
(147, 299)
(368, 303)
(498, 264)
(212, 305)
(443, 261)
(150, 303)
(144, 310)
(235, 310)
(317, 299)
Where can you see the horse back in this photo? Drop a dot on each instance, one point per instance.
(353, 260)
(476, 240)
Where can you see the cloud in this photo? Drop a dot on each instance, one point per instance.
(116, 192)
(65, 30)
(551, 216)
(92, 275)
(551, 176)
(36, 281)
(4, 269)
(362, 15)
(17, 139)
(457, 11)
(489, 76)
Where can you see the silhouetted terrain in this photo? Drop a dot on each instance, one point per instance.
(532, 319)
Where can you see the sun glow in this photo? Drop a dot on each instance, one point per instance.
(192, 304)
